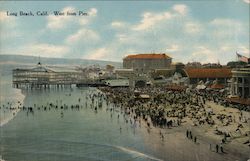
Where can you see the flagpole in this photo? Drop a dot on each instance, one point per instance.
(237, 58)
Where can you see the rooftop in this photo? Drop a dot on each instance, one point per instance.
(148, 56)
(208, 72)
(50, 69)
(217, 86)
(245, 70)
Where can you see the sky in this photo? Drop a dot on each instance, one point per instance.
(190, 30)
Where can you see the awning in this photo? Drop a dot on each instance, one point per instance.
(243, 101)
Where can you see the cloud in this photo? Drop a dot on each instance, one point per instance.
(244, 50)
(223, 22)
(246, 1)
(8, 27)
(185, 37)
(192, 27)
(204, 54)
(124, 38)
(173, 48)
(83, 35)
(151, 19)
(98, 54)
(3, 16)
(181, 9)
(118, 24)
(43, 49)
(188, 38)
(60, 22)
(92, 12)
(87, 19)
(171, 30)
(226, 48)
(9, 35)
(5, 20)
(227, 29)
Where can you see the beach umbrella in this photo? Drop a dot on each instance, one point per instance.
(222, 90)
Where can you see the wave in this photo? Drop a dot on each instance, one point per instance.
(119, 148)
(1, 159)
(130, 151)
(15, 98)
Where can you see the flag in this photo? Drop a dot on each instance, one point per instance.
(242, 58)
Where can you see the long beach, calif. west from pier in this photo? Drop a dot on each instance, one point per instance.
(82, 122)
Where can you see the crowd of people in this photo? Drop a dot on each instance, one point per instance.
(167, 109)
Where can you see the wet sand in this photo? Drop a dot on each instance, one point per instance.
(176, 146)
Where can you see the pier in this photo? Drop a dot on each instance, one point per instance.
(41, 77)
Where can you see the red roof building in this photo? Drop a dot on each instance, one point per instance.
(237, 100)
(143, 63)
(208, 74)
(148, 56)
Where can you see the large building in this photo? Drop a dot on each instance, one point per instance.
(144, 63)
(240, 82)
(221, 75)
(41, 76)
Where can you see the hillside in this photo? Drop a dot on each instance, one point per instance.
(9, 62)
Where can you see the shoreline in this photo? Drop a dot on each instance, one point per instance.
(14, 100)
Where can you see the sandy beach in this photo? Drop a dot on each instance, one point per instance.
(229, 131)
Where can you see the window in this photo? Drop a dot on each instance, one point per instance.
(246, 81)
(239, 80)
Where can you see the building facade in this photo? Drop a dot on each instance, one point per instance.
(240, 82)
(144, 63)
(124, 73)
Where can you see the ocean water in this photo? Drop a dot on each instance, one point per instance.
(66, 134)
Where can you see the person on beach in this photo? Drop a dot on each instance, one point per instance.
(217, 148)
(221, 149)
(195, 139)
